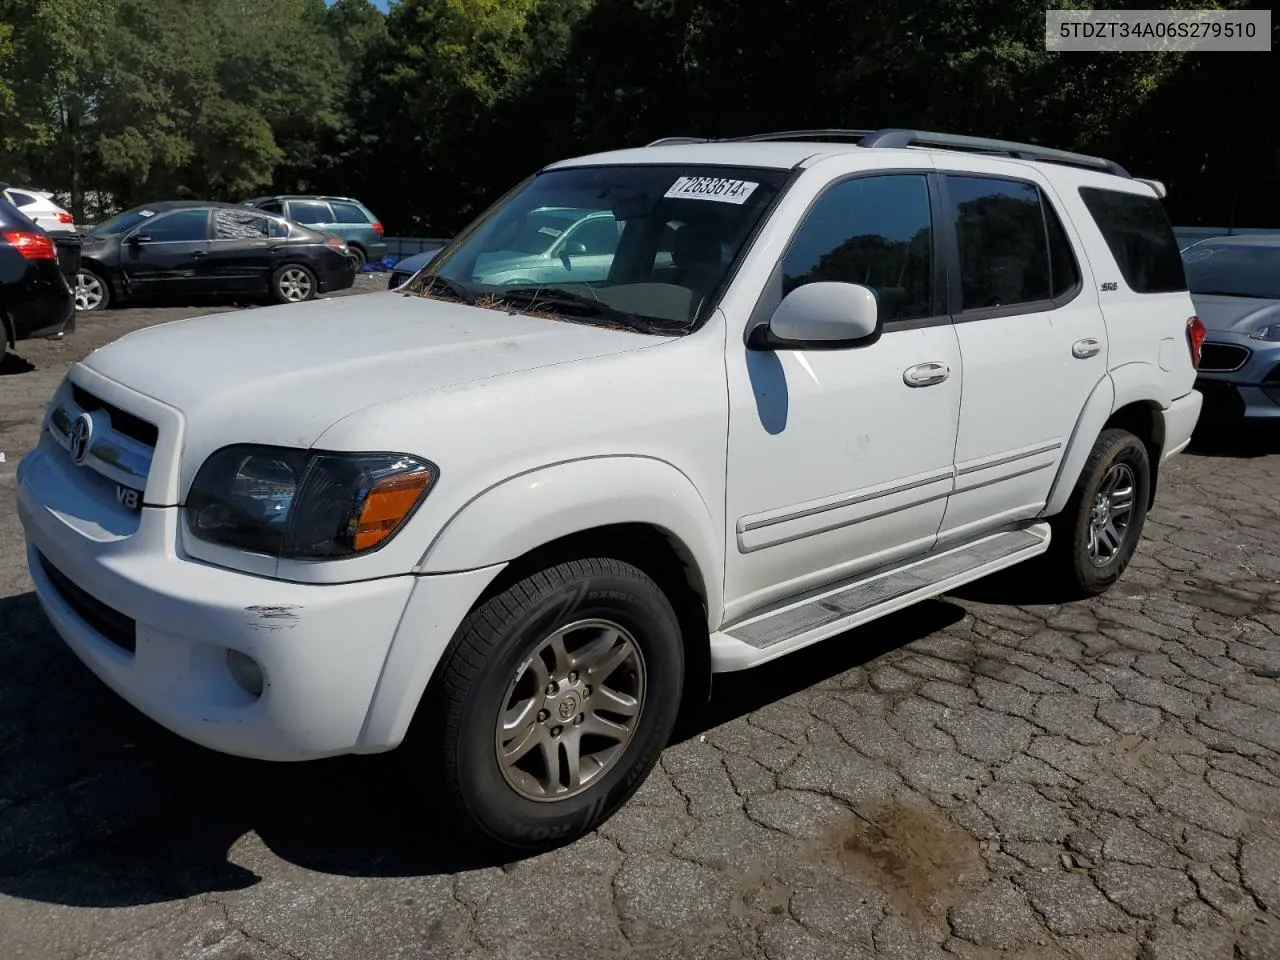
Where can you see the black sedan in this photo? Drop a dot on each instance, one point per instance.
(185, 251)
(36, 299)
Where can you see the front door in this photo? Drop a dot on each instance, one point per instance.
(161, 259)
(841, 460)
(1033, 341)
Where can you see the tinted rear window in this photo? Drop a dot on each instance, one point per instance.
(20, 199)
(1138, 232)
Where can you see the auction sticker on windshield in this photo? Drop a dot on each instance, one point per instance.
(711, 188)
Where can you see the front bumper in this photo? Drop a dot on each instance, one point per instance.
(1251, 392)
(105, 576)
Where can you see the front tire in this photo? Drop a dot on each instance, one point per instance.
(293, 283)
(551, 704)
(1095, 536)
(92, 291)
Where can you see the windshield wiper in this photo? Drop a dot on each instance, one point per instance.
(433, 280)
(554, 299)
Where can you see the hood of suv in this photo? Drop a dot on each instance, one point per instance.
(284, 374)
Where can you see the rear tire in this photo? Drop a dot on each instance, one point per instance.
(550, 706)
(1095, 536)
(361, 257)
(293, 283)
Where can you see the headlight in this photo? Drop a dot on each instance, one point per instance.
(1271, 333)
(304, 505)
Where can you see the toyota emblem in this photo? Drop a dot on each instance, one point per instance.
(81, 434)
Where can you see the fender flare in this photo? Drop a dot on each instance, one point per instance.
(1097, 410)
(541, 505)
(1125, 385)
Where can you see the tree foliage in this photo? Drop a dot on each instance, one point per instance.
(430, 111)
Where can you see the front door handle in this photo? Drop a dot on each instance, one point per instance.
(926, 374)
(1084, 349)
(200, 253)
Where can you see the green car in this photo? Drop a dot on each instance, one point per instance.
(347, 218)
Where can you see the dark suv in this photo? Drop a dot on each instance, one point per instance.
(349, 219)
(36, 298)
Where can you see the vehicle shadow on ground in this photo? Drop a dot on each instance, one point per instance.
(12, 363)
(100, 807)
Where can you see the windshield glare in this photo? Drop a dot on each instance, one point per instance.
(1233, 270)
(647, 241)
(121, 223)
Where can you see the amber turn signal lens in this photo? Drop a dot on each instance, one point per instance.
(387, 504)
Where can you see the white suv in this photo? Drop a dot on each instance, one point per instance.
(510, 526)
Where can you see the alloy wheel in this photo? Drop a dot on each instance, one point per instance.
(89, 292)
(571, 710)
(295, 285)
(1111, 514)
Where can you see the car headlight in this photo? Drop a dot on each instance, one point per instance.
(305, 505)
(1271, 333)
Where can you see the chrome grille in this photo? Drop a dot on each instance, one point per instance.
(104, 438)
(1222, 357)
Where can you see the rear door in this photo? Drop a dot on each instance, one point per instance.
(1032, 337)
(162, 257)
(243, 254)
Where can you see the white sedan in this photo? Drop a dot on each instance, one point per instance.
(38, 205)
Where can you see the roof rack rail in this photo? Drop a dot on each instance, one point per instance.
(668, 141)
(1022, 151)
(822, 135)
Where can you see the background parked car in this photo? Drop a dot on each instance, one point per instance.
(342, 216)
(406, 268)
(192, 250)
(39, 207)
(1235, 283)
(36, 299)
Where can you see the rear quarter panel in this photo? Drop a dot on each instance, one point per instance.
(1148, 355)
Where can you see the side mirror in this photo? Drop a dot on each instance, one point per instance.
(820, 316)
(575, 249)
(139, 238)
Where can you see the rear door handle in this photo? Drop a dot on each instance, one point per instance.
(926, 374)
(200, 253)
(1084, 349)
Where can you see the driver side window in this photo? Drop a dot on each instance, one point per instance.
(876, 231)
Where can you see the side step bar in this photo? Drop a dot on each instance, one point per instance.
(813, 617)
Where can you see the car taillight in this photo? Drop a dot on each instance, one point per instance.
(377, 228)
(1195, 339)
(32, 246)
(336, 243)
(66, 218)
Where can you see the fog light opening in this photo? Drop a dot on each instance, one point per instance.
(246, 672)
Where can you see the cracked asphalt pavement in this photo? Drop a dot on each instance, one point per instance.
(994, 773)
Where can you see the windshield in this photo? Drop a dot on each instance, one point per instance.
(121, 222)
(1233, 270)
(643, 246)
